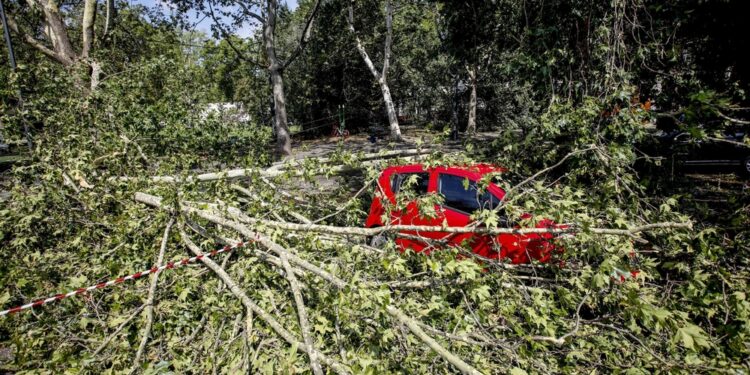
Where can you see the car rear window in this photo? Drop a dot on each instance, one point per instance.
(400, 179)
(460, 197)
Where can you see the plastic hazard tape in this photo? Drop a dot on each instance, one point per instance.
(119, 280)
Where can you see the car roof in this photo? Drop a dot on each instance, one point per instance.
(478, 168)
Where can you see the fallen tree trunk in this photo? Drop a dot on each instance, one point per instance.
(273, 171)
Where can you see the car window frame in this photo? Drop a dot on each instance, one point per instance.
(399, 174)
(472, 179)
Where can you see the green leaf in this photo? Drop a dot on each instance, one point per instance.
(691, 336)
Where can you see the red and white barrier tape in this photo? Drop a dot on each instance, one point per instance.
(155, 269)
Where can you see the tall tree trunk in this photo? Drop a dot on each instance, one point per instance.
(283, 138)
(96, 72)
(62, 49)
(471, 125)
(454, 108)
(391, 111)
(275, 69)
(381, 77)
(109, 21)
(89, 18)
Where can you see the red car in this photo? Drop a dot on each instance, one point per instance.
(461, 197)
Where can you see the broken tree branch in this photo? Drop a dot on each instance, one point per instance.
(334, 280)
(273, 171)
(262, 203)
(731, 119)
(150, 299)
(304, 323)
(545, 170)
(434, 345)
(231, 241)
(382, 155)
(117, 331)
(568, 228)
(262, 314)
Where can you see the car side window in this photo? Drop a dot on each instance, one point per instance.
(420, 187)
(461, 197)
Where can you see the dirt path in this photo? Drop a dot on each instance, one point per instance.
(360, 143)
(356, 143)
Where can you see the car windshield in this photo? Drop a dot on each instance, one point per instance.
(462, 194)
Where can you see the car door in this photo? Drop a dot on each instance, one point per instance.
(412, 185)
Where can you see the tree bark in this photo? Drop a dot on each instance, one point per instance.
(390, 110)
(89, 18)
(381, 77)
(109, 21)
(96, 72)
(283, 138)
(471, 125)
(275, 69)
(56, 33)
(62, 50)
(454, 108)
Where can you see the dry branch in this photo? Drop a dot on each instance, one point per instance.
(250, 172)
(304, 323)
(117, 331)
(150, 299)
(570, 228)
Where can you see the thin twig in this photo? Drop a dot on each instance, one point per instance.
(117, 331)
(561, 340)
(545, 170)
